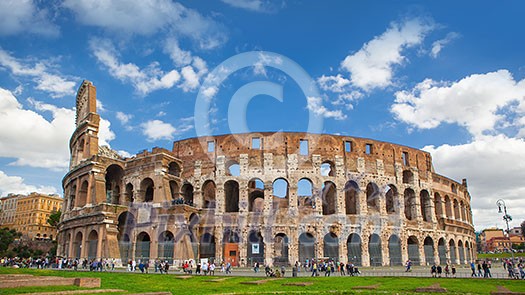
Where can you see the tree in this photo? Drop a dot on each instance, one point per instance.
(523, 228)
(7, 237)
(54, 219)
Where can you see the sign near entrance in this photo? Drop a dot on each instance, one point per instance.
(255, 248)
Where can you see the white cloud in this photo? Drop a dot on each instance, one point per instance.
(315, 104)
(55, 84)
(473, 102)
(253, 5)
(24, 16)
(336, 83)
(439, 44)
(17, 185)
(124, 118)
(144, 80)
(149, 17)
(263, 61)
(373, 65)
(45, 143)
(494, 170)
(157, 129)
(191, 79)
(179, 56)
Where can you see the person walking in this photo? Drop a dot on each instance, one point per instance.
(473, 268)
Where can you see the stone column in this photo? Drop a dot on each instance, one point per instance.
(343, 250)
(243, 198)
(385, 251)
(362, 208)
(83, 251)
(447, 251)
(365, 255)
(293, 250)
(268, 252)
(292, 199)
(422, 256)
(218, 244)
(71, 252)
(268, 198)
(404, 248)
(436, 250)
(101, 235)
(243, 249)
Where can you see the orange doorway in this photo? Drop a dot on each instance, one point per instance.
(231, 253)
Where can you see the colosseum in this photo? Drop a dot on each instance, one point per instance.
(274, 198)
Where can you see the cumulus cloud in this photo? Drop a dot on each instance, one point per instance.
(42, 75)
(473, 102)
(25, 16)
(49, 139)
(123, 118)
(373, 65)
(160, 130)
(144, 80)
(149, 17)
(157, 129)
(315, 104)
(439, 44)
(253, 5)
(493, 170)
(17, 185)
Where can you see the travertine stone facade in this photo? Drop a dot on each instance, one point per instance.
(275, 198)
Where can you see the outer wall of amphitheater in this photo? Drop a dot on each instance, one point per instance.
(274, 198)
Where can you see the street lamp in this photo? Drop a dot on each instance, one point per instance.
(500, 203)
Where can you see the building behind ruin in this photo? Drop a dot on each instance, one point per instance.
(275, 198)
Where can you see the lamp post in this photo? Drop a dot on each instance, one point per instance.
(501, 204)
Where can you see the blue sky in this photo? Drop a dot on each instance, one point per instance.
(443, 76)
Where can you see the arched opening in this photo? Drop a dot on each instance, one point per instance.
(374, 250)
(187, 193)
(208, 194)
(442, 251)
(92, 245)
(410, 204)
(114, 174)
(233, 168)
(207, 246)
(438, 206)
(280, 248)
(174, 169)
(126, 224)
(426, 205)
(456, 210)
(463, 212)
(408, 177)
(231, 247)
(129, 193)
(174, 190)
(428, 246)
(306, 247)
(187, 247)
(351, 197)
(413, 250)
(372, 197)
(166, 246)
(77, 245)
(231, 191)
(280, 193)
(353, 244)
(82, 194)
(305, 193)
(147, 189)
(72, 197)
(256, 196)
(394, 250)
(452, 250)
(255, 248)
(391, 199)
(331, 246)
(461, 252)
(327, 168)
(448, 207)
(142, 247)
(453, 188)
(329, 198)
(468, 254)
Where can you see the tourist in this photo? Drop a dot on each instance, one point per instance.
(433, 270)
(342, 268)
(480, 273)
(439, 271)
(314, 270)
(408, 265)
(453, 271)
(212, 269)
(447, 270)
(283, 270)
(473, 268)
(256, 267)
(267, 270)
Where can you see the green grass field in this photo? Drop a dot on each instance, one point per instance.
(499, 255)
(136, 283)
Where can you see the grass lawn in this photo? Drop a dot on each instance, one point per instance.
(136, 283)
(499, 255)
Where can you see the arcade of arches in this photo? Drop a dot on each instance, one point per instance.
(274, 198)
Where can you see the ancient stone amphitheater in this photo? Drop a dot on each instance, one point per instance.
(274, 198)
